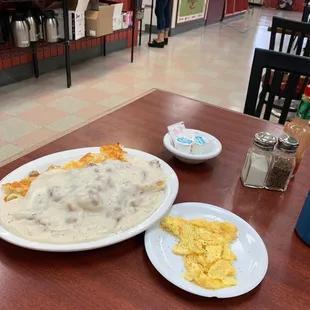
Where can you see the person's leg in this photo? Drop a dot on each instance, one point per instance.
(167, 19)
(160, 14)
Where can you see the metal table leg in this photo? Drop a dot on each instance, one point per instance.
(68, 64)
(133, 29)
(104, 45)
(140, 32)
(35, 59)
(67, 42)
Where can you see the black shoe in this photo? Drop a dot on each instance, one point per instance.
(157, 44)
(166, 41)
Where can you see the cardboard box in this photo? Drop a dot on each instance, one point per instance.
(125, 23)
(76, 18)
(127, 19)
(117, 22)
(76, 24)
(77, 5)
(99, 20)
(117, 15)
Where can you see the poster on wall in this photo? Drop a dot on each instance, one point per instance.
(190, 10)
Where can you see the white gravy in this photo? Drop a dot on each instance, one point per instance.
(81, 205)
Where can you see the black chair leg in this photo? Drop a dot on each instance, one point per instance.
(260, 105)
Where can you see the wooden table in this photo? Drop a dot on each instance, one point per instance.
(121, 276)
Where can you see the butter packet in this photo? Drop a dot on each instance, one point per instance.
(201, 145)
(180, 140)
(184, 144)
(190, 141)
(176, 129)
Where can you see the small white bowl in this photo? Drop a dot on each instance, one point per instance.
(215, 150)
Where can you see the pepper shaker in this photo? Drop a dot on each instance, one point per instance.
(283, 163)
(258, 159)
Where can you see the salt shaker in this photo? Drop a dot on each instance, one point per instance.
(258, 159)
(283, 163)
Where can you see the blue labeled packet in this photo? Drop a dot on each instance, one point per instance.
(303, 223)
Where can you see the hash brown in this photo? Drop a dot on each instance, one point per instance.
(20, 188)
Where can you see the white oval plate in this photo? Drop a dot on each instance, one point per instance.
(41, 164)
(252, 256)
(216, 148)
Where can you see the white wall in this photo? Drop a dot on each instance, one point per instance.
(174, 13)
(147, 13)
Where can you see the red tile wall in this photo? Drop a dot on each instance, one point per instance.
(236, 6)
(241, 5)
(230, 6)
(11, 56)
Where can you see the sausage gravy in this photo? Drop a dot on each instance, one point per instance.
(81, 205)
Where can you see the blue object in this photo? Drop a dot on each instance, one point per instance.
(303, 223)
(200, 140)
(184, 140)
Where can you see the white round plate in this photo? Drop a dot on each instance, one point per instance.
(252, 256)
(41, 164)
(215, 150)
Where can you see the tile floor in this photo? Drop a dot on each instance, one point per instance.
(211, 64)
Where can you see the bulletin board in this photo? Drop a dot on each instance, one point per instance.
(190, 10)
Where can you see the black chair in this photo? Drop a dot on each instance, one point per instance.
(306, 14)
(283, 64)
(297, 32)
(292, 29)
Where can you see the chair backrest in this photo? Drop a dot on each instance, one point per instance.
(291, 29)
(283, 65)
(306, 14)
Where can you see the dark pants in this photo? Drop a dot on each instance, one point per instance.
(162, 11)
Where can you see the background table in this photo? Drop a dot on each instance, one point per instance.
(121, 276)
(289, 32)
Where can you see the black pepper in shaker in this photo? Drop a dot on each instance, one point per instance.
(283, 163)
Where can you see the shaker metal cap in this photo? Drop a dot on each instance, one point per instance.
(287, 143)
(265, 140)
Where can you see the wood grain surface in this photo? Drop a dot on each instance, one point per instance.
(121, 276)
